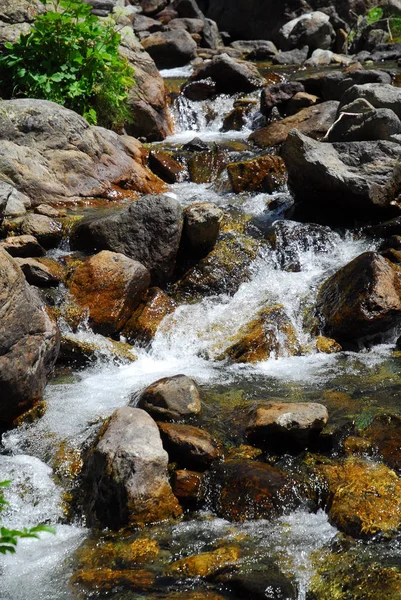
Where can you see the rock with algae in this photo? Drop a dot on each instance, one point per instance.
(207, 564)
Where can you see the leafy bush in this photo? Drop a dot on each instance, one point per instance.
(71, 57)
(9, 537)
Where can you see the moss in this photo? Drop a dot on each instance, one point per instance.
(106, 579)
(205, 565)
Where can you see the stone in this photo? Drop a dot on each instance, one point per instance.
(205, 565)
(109, 286)
(142, 325)
(364, 498)
(323, 58)
(343, 181)
(106, 579)
(170, 49)
(22, 246)
(266, 173)
(47, 231)
(200, 90)
(166, 167)
(148, 102)
(149, 231)
(383, 435)
(29, 342)
(362, 299)
(189, 446)
(269, 334)
(151, 7)
(286, 426)
(331, 85)
(327, 345)
(377, 124)
(292, 57)
(201, 227)
(142, 23)
(187, 9)
(51, 154)
(190, 25)
(171, 398)
(312, 29)
(188, 486)
(12, 202)
(313, 121)
(77, 352)
(278, 95)
(49, 211)
(255, 49)
(247, 489)
(231, 76)
(37, 273)
(379, 95)
(127, 473)
(236, 119)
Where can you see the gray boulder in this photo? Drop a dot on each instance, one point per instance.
(255, 49)
(51, 154)
(37, 273)
(29, 342)
(231, 76)
(201, 227)
(312, 29)
(331, 85)
(47, 231)
(127, 473)
(343, 180)
(189, 446)
(12, 202)
(149, 231)
(379, 95)
(171, 398)
(278, 95)
(292, 57)
(170, 49)
(378, 124)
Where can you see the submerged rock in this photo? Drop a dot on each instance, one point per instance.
(362, 299)
(127, 473)
(149, 231)
(262, 174)
(143, 323)
(171, 398)
(29, 342)
(282, 426)
(205, 565)
(109, 285)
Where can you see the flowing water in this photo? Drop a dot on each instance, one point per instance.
(190, 341)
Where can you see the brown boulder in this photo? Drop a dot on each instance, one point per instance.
(261, 174)
(189, 446)
(47, 231)
(22, 246)
(29, 342)
(188, 486)
(207, 564)
(109, 285)
(362, 299)
(37, 273)
(171, 398)
(146, 318)
(166, 167)
(313, 121)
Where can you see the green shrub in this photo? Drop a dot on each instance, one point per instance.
(71, 57)
(9, 537)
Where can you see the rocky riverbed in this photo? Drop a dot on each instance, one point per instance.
(200, 329)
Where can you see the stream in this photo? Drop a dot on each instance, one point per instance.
(189, 342)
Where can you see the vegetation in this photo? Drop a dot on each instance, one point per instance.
(9, 537)
(374, 15)
(71, 57)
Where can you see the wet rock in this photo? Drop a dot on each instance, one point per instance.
(37, 273)
(205, 565)
(230, 75)
(221, 271)
(379, 95)
(236, 119)
(109, 285)
(196, 144)
(262, 174)
(51, 154)
(355, 573)
(283, 426)
(312, 29)
(331, 85)
(147, 100)
(278, 95)
(127, 473)
(201, 227)
(78, 352)
(263, 581)
(47, 231)
(22, 246)
(149, 231)
(324, 58)
(170, 49)
(364, 498)
(166, 167)
(384, 435)
(270, 333)
(189, 446)
(171, 398)
(313, 121)
(188, 487)
(255, 49)
(386, 229)
(50, 211)
(247, 489)
(377, 124)
(200, 90)
(292, 57)
(12, 202)
(205, 166)
(107, 579)
(361, 299)
(291, 239)
(29, 342)
(327, 345)
(359, 179)
(146, 318)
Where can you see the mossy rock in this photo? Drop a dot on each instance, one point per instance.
(205, 166)
(205, 565)
(261, 174)
(269, 333)
(146, 318)
(106, 579)
(77, 352)
(117, 553)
